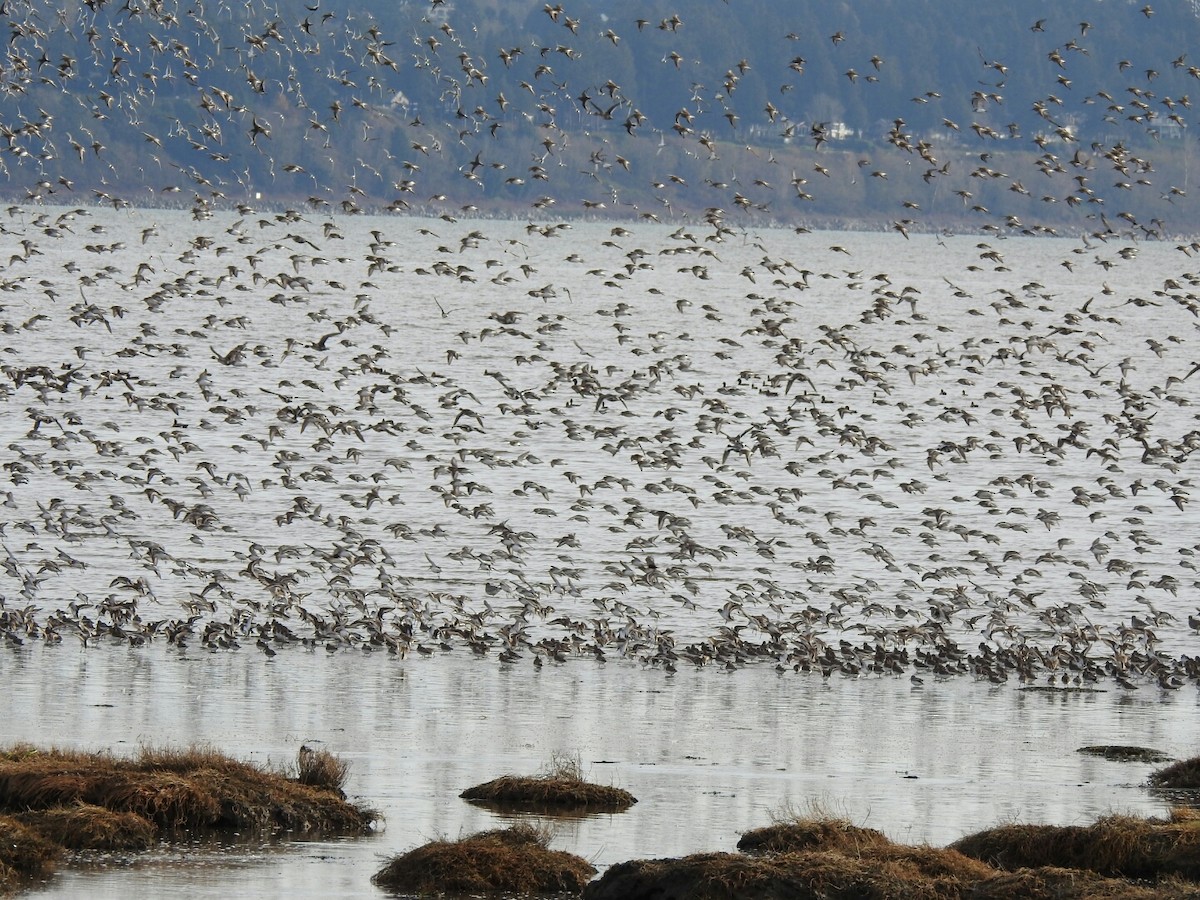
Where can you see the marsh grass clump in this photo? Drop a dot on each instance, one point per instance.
(560, 788)
(1052, 883)
(25, 853)
(187, 790)
(565, 766)
(1181, 776)
(882, 873)
(1115, 846)
(87, 827)
(514, 860)
(798, 857)
(321, 769)
(1124, 753)
(813, 858)
(538, 793)
(802, 833)
(55, 800)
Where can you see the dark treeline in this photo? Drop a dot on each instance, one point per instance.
(909, 115)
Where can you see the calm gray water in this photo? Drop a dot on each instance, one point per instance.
(913, 438)
(708, 754)
(950, 458)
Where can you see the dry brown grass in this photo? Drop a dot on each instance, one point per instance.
(191, 789)
(1050, 883)
(321, 769)
(55, 800)
(24, 853)
(565, 766)
(1116, 846)
(901, 873)
(560, 789)
(1183, 775)
(541, 792)
(802, 857)
(812, 858)
(937, 863)
(515, 860)
(811, 834)
(84, 827)
(880, 873)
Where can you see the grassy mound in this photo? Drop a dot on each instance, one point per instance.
(515, 860)
(24, 853)
(881, 873)
(561, 789)
(1124, 753)
(174, 789)
(831, 859)
(1116, 846)
(1182, 776)
(548, 792)
(803, 857)
(85, 827)
(1050, 883)
(56, 800)
(321, 769)
(811, 834)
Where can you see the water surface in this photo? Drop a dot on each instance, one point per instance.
(709, 754)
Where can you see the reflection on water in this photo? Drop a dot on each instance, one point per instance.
(708, 754)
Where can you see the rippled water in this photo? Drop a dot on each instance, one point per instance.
(760, 451)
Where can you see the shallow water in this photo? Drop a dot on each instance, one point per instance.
(368, 488)
(708, 754)
(652, 472)
(784, 483)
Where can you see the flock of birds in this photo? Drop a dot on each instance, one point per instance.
(710, 441)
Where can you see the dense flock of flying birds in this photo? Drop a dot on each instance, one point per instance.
(706, 441)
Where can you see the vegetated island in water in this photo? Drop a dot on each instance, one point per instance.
(54, 801)
(814, 858)
(818, 857)
(561, 790)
